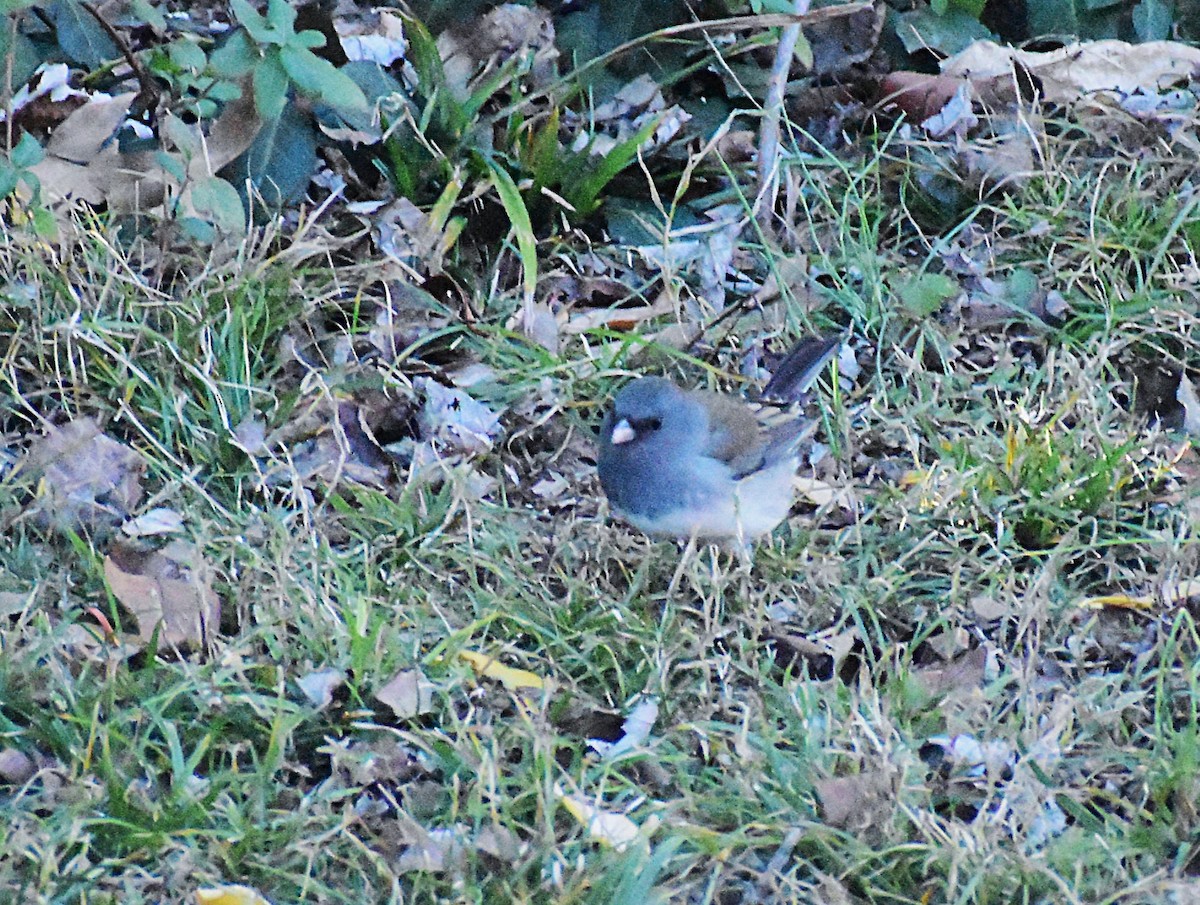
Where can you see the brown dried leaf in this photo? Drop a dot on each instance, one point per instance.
(963, 673)
(87, 478)
(171, 587)
(1079, 71)
(16, 767)
(855, 801)
(407, 693)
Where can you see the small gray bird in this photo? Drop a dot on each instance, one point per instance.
(697, 464)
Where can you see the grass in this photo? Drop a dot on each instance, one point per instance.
(1001, 474)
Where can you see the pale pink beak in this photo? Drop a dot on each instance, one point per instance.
(623, 433)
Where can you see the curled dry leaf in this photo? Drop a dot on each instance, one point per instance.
(171, 587)
(964, 673)
(1190, 400)
(1080, 70)
(607, 827)
(454, 419)
(88, 479)
(156, 521)
(635, 731)
(320, 685)
(408, 693)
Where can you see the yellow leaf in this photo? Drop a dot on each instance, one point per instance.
(230, 895)
(510, 678)
(1119, 601)
(606, 827)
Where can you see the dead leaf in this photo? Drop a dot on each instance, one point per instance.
(1081, 70)
(16, 767)
(1116, 601)
(855, 801)
(155, 522)
(456, 420)
(171, 587)
(635, 731)
(230, 895)
(607, 827)
(491, 668)
(963, 673)
(319, 686)
(1188, 398)
(87, 478)
(408, 693)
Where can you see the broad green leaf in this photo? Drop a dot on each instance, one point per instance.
(281, 16)
(80, 36)
(172, 165)
(27, 152)
(308, 38)
(17, 51)
(946, 34)
(1152, 19)
(926, 293)
(320, 78)
(280, 162)
(236, 57)
(270, 86)
(187, 54)
(8, 179)
(250, 19)
(518, 215)
(44, 223)
(220, 202)
(149, 13)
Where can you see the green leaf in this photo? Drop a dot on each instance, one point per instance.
(281, 16)
(44, 223)
(424, 55)
(926, 293)
(147, 12)
(270, 86)
(17, 51)
(320, 78)
(584, 195)
(27, 152)
(9, 178)
(1152, 19)
(220, 202)
(803, 53)
(172, 165)
(254, 23)
(280, 162)
(236, 57)
(308, 38)
(187, 54)
(946, 34)
(518, 215)
(79, 35)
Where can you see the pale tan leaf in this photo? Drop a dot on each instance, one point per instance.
(171, 587)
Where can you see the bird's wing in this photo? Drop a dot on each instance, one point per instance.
(735, 435)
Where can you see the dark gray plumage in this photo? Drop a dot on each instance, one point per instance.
(692, 463)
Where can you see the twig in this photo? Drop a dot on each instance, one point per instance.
(148, 88)
(768, 135)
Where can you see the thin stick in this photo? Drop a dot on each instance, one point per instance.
(768, 134)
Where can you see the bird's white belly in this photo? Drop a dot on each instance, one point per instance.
(742, 509)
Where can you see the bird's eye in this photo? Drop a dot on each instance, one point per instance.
(653, 423)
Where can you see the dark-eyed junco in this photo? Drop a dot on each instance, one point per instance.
(701, 465)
